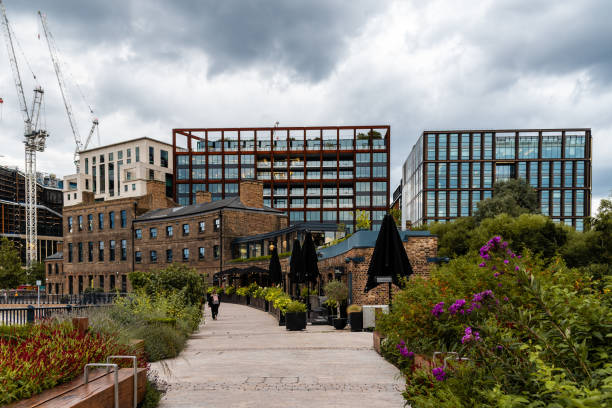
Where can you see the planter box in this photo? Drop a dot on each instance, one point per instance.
(356, 321)
(378, 337)
(340, 323)
(295, 321)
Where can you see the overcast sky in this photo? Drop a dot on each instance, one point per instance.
(150, 66)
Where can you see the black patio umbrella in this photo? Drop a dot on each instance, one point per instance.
(310, 260)
(296, 264)
(389, 258)
(276, 274)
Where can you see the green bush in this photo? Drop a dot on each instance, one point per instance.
(174, 277)
(536, 332)
(295, 306)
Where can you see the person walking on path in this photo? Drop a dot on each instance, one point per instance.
(213, 303)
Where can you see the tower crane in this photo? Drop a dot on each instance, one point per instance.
(34, 140)
(80, 146)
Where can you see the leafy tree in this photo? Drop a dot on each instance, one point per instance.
(397, 216)
(11, 274)
(36, 272)
(363, 220)
(513, 197)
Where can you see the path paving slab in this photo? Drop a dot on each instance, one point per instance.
(244, 359)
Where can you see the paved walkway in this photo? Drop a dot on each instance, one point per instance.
(244, 359)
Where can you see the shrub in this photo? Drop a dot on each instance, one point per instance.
(296, 306)
(176, 277)
(534, 332)
(229, 290)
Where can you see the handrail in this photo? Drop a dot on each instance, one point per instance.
(116, 367)
(135, 366)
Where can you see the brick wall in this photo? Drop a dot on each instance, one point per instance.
(251, 193)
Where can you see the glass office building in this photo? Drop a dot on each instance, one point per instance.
(448, 172)
(315, 174)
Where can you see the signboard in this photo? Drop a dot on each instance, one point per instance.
(383, 279)
(38, 283)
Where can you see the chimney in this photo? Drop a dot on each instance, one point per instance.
(203, 197)
(251, 193)
(156, 192)
(88, 197)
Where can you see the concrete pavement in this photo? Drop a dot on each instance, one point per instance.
(244, 359)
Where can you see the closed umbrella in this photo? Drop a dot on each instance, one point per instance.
(389, 258)
(276, 274)
(311, 269)
(296, 265)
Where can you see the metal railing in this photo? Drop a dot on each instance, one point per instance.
(30, 314)
(57, 299)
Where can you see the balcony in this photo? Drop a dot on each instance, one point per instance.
(297, 164)
(264, 165)
(315, 164)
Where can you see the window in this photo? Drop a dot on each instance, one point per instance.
(201, 253)
(151, 174)
(216, 252)
(452, 204)
(123, 219)
(169, 255)
(465, 175)
(89, 222)
(247, 159)
(568, 174)
(442, 148)
(533, 174)
(80, 252)
(556, 173)
(102, 179)
(476, 146)
(215, 173)
(151, 155)
(454, 146)
(215, 160)
(152, 233)
(379, 171)
(70, 224)
(163, 157)
(475, 175)
(442, 175)
(185, 229)
(124, 250)
(580, 174)
(431, 175)
(431, 147)
(544, 202)
(522, 170)
(70, 252)
(504, 172)
(329, 216)
(504, 146)
(217, 224)
(231, 172)
(528, 147)
(551, 147)
(169, 231)
(231, 159)
(475, 200)
(379, 201)
(137, 152)
(86, 165)
(138, 233)
(579, 204)
(556, 203)
(247, 173)
(153, 255)
(296, 216)
(378, 157)
(362, 172)
(90, 251)
(313, 215)
(201, 226)
(465, 203)
(231, 188)
(545, 179)
(454, 175)
(362, 201)
(198, 174)
(431, 203)
(488, 146)
(568, 204)
(111, 250)
(100, 221)
(138, 257)
(111, 179)
(185, 254)
(574, 147)
(362, 187)
(465, 146)
(101, 251)
(110, 156)
(441, 204)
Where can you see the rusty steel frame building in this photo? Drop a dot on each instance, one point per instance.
(315, 174)
(449, 171)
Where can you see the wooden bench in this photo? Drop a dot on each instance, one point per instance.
(99, 392)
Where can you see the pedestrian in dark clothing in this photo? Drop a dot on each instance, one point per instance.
(213, 303)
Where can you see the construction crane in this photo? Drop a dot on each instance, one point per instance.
(34, 140)
(53, 51)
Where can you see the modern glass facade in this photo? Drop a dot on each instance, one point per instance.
(448, 172)
(315, 174)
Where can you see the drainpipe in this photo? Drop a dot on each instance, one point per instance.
(220, 241)
(132, 239)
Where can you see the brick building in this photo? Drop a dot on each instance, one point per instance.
(98, 240)
(201, 235)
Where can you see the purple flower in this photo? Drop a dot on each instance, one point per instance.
(518, 256)
(410, 354)
(512, 255)
(487, 256)
(504, 244)
(470, 335)
(516, 268)
(506, 261)
(494, 268)
(455, 307)
(482, 264)
(404, 352)
(439, 373)
(499, 284)
(500, 348)
(438, 309)
(496, 274)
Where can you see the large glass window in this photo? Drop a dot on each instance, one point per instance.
(198, 174)
(378, 171)
(579, 203)
(90, 250)
(362, 157)
(431, 147)
(454, 147)
(431, 175)
(528, 147)
(504, 146)
(568, 174)
(465, 175)
(574, 147)
(465, 146)
(545, 179)
(580, 174)
(163, 156)
(452, 204)
(313, 215)
(362, 187)
(442, 175)
(551, 147)
(296, 216)
(504, 172)
(361, 172)
(183, 160)
(215, 173)
(379, 157)
(441, 204)
(556, 203)
(101, 251)
(379, 201)
(568, 204)
(476, 146)
(522, 170)
(442, 147)
(231, 172)
(488, 146)
(465, 203)
(556, 173)
(475, 200)
(362, 201)
(123, 219)
(454, 175)
(475, 175)
(151, 155)
(111, 250)
(70, 252)
(123, 249)
(431, 203)
(247, 173)
(533, 174)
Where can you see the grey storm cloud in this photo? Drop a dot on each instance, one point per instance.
(306, 38)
